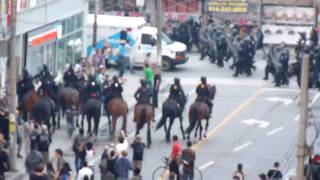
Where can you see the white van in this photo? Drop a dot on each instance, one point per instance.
(143, 39)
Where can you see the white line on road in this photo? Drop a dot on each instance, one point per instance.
(206, 165)
(274, 131)
(297, 118)
(290, 174)
(242, 146)
(315, 98)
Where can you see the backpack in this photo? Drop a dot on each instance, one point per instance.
(43, 142)
(34, 139)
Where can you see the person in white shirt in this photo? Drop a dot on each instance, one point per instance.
(90, 155)
(85, 171)
(123, 144)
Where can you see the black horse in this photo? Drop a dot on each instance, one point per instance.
(171, 110)
(42, 111)
(92, 109)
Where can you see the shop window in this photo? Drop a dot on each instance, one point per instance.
(78, 21)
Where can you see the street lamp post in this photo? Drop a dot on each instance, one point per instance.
(159, 27)
(95, 25)
(301, 146)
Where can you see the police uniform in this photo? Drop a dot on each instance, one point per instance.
(142, 95)
(24, 85)
(203, 94)
(92, 90)
(70, 78)
(44, 74)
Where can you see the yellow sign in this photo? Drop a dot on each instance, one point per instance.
(228, 6)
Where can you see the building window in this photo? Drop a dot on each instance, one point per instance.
(26, 4)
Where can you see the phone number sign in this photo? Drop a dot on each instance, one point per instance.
(228, 6)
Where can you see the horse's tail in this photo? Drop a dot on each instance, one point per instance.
(142, 118)
(193, 120)
(161, 122)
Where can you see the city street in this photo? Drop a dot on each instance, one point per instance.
(252, 123)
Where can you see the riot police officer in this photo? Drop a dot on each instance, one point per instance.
(70, 78)
(142, 95)
(203, 93)
(24, 85)
(177, 93)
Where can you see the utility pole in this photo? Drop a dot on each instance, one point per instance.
(159, 27)
(11, 92)
(301, 146)
(95, 24)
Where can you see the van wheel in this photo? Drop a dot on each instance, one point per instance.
(166, 64)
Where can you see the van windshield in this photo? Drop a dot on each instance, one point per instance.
(166, 39)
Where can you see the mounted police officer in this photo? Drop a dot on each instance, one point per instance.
(203, 93)
(44, 74)
(24, 85)
(92, 89)
(115, 88)
(177, 93)
(142, 95)
(70, 78)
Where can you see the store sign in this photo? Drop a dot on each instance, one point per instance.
(227, 6)
(44, 37)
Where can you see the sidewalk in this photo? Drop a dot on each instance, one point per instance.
(60, 138)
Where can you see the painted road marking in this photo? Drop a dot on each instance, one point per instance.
(290, 174)
(231, 116)
(285, 101)
(261, 124)
(275, 131)
(206, 165)
(297, 118)
(315, 99)
(247, 144)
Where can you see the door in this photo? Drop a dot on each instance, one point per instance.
(146, 44)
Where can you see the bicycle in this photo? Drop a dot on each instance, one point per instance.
(162, 172)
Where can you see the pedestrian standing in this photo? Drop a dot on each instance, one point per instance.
(123, 144)
(175, 157)
(239, 174)
(188, 158)
(33, 159)
(148, 74)
(103, 166)
(19, 123)
(34, 137)
(129, 56)
(111, 165)
(78, 149)
(44, 143)
(90, 155)
(38, 174)
(156, 85)
(28, 128)
(85, 171)
(138, 149)
(123, 166)
(275, 173)
(121, 58)
(65, 172)
(59, 161)
(4, 160)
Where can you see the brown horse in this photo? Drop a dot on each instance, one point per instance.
(116, 108)
(199, 111)
(68, 99)
(28, 101)
(143, 113)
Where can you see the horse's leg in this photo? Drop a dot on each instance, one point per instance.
(207, 125)
(113, 127)
(109, 122)
(169, 130)
(200, 132)
(89, 124)
(196, 130)
(124, 124)
(149, 133)
(82, 119)
(96, 123)
(181, 127)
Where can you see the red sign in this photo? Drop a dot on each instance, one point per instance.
(181, 6)
(44, 38)
(7, 11)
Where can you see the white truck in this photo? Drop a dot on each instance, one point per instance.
(143, 40)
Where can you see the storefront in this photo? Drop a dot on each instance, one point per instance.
(56, 45)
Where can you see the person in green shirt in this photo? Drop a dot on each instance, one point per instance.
(148, 74)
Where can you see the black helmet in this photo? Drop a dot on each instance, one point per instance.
(203, 80)
(45, 67)
(25, 72)
(143, 82)
(176, 81)
(115, 79)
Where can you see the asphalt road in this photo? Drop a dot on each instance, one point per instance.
(252, 123)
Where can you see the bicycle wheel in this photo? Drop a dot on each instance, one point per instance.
(159, 173)
(197, 174)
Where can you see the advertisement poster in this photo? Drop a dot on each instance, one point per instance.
(228, 6)
(181, 9)
(284, 23)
